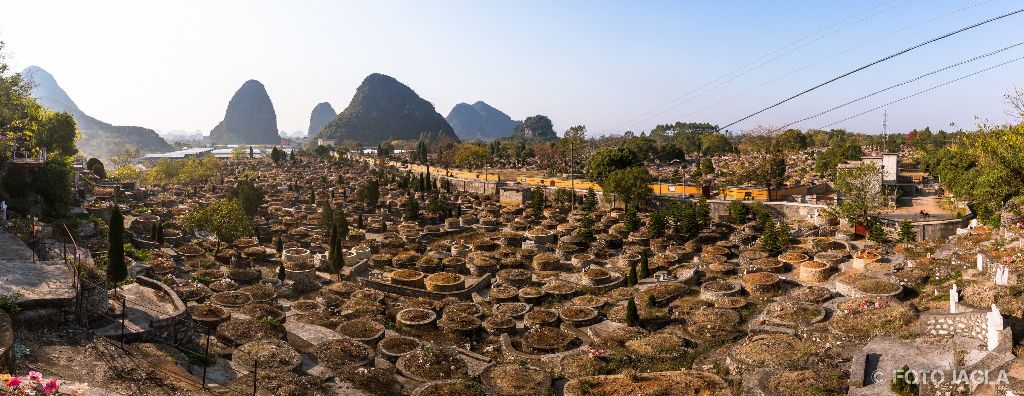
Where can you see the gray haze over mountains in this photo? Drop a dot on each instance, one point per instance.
(480, 121)
(99, 139)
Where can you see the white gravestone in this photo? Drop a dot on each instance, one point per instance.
(954, 298)
(995, 325)
(981, 262)
(1002, 277)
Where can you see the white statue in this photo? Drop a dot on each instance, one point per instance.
(3, 211)
(981, 262)
(954, 298)
(995, 325)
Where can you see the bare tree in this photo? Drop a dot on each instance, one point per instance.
(1015, 100)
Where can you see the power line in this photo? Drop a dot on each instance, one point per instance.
(835, 55)
(961, 63)
(924, 91)
(955, 32)
(655, 112)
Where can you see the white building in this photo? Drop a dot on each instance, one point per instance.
(888, 162)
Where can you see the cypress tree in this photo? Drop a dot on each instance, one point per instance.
(280, 273)
(152, 232)
(342, 224)
(645, 269)
(359, 221)
(337, 258)
(631, 279)
(279, 245)
(117, 270)
(632, 316)
(651, 302)
(160, 233)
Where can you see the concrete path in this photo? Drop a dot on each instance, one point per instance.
(21, 272)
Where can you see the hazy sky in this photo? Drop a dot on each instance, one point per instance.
(173, 65)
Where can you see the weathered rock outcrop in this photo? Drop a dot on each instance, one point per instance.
(249, 118)
(480, 121)
(99, 139)
(322, 114)
(385, 109)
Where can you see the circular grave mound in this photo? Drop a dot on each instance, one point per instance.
(811, 294)
(459, 322)
(499, 324)
(767, 264)
(273, 355)
(407, 278)
(771, 351)
(589, 300)
(658, 345)
(236, 332)
(445, 282)
(365, 330)
(878, 287)
(415, 317)
(306, 306)
(731, 302)
(760, 282)
(394, 347)
(814, 271)
(209, 315)
(794, 314)
(516, 380)
(541, 317)
(265, 313)
(793, 258)
(710, 324)
(511, 309)
(578, 316)
(432, 363)
(342, 353)
(467, 308)
(866, 317)
(719, 288)
(680, 383)
(545, 340)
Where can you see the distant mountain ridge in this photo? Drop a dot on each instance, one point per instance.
(480, 121)
(385, 109)
(321, 115)
(99, 139)
(249, 119)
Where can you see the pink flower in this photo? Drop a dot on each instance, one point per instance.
(35, 376)
(14, 382)
(50, 387)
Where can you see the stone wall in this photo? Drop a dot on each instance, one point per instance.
(784, 210)
(6, 343)
(966, 324)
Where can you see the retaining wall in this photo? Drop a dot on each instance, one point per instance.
(176, 329)
(966, 324)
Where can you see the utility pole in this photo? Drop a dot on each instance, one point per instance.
(885, 131)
